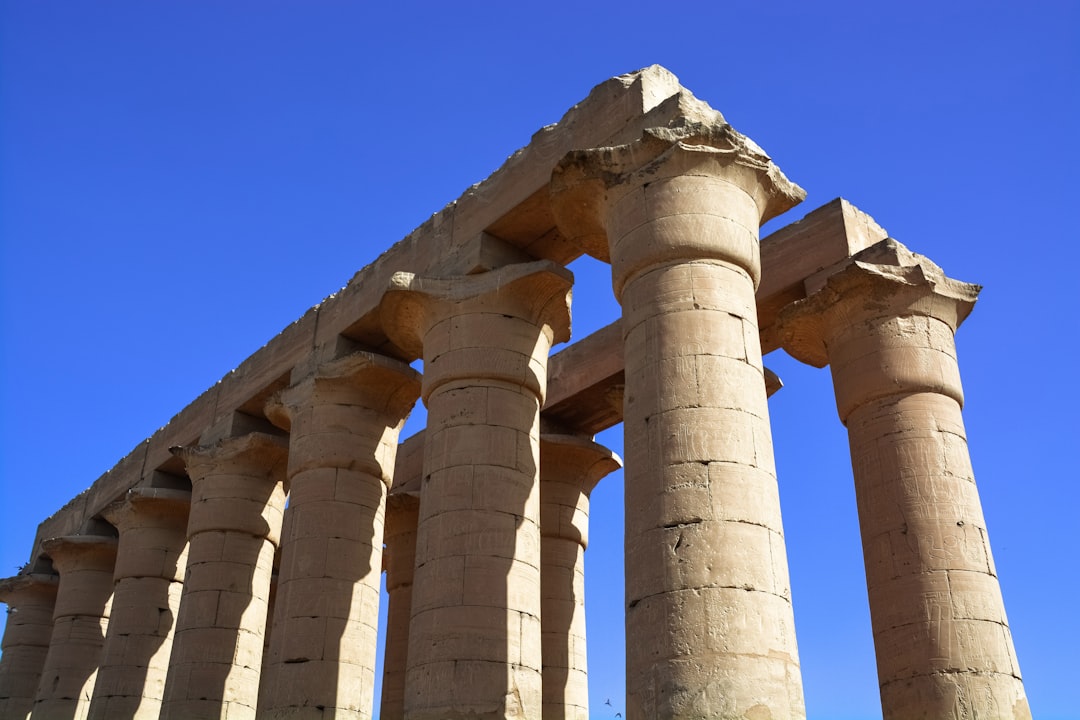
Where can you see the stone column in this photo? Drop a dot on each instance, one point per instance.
(570, 467)
(708, 604)
(399, 558)
(31, 600)
(149, 579)
(237, 501)
(885, 325)
(344, 422)
(474, 636)
(80, 620)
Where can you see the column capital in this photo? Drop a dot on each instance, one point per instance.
(247, 469)
(380, 383)
(254, 450)
(31, 583)
(692, 180)
(148, 505)
(153, 532)
(898, 301)
(576, 460)
(420, 315)
(570, 467)
(90, 552)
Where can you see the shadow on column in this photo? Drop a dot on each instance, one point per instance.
(235, 521)
(85, 563)
(150, 572)
(476, 602)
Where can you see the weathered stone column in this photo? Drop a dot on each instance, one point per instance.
(570, 467)
(344, 422)
(149, 579)
(708, 602)
(399, 558)
(474, 637)
(31, 600)
(80, 620)
(886, 326)
(237, 500)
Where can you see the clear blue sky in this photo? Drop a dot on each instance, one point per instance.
(179, 181)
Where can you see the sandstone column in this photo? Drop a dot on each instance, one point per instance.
(570, 467)
(31, 600)
(149, 578)
(85, 564)
(344, 422)
(708, 604)
(886, 326)
(474, 637)
(399, 558)
(237, 501)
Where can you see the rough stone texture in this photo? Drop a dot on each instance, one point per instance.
(672, 197)
(236, 507)
(885, 324)
(149, 578)
(31, 600)
(474, 634)
(344, 422)
(80, 620)
(570, 467)
(707, 591)
(399, 558)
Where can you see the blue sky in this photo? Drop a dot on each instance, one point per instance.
(179, 181)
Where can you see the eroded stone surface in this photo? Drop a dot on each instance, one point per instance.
(484, 535)
(677, 214)
(885, 324)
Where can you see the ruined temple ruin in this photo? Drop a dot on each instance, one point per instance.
(181, 586)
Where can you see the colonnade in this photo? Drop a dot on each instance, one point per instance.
(170, 616)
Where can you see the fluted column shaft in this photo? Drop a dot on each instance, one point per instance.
(80, 620)
(236, 507)
(148, 581)
(474, 636)
(399, 558)
(344, 422)
(708, 601)
(31, 600)
(570, 467)
(886, 327)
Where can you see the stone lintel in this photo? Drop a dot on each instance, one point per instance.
(234, 425)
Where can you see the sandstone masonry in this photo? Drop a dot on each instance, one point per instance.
(229, 566)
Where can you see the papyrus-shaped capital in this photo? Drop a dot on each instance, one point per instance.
(885, 322)
(570, 467)
(382, 384)
(684, 185)
(499, 324)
